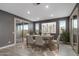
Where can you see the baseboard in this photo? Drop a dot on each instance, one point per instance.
(7, 46)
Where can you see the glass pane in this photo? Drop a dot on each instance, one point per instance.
(18, 32)
(25, 26)
(49, 27)
(74, 30)
(62, 25)
(19, 27)
(37, 28)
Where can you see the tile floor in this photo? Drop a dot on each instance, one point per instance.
(66, 50)
(18, 50)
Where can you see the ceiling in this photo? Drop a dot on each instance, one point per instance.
(39, 12)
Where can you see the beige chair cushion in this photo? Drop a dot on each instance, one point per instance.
(39, 40)
(30, 39)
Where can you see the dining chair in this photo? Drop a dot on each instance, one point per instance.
(56, 42)
(30, 40)
(39, 42)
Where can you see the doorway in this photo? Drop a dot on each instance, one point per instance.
(21, 29)
(74, 34)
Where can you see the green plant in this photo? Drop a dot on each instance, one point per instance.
(65, 36)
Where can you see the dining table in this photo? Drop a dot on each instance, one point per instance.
(46, 38)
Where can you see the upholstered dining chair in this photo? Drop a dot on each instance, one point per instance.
(30, 40)
(39, 42)
(56, 42)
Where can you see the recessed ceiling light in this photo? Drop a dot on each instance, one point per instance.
(28, 12)
(47, 6)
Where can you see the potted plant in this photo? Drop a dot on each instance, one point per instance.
(65, 37)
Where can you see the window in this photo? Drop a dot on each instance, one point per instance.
(37, 28)
(25, 26)
(62, 25)
(74, 26)
(75, 23)
(49, 27)
(22, 27)
(19, 27)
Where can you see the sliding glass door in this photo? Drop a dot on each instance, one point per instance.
(74, 34)
(21, 30)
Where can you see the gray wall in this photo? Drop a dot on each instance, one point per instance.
(6, 28)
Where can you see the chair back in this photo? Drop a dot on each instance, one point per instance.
(58, 40)
(30, 39)
(39, 40)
